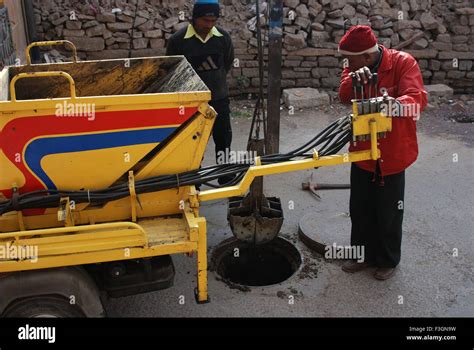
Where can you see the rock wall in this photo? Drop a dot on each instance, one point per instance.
(438, 33)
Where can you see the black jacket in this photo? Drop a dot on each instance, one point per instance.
(211, 60)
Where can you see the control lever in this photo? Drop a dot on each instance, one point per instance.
(373, 80)
(355, 84)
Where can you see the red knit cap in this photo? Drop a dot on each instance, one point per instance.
(357, 41)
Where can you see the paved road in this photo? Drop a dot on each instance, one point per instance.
(432, 280)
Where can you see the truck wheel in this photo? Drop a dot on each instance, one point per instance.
(48, 306)
(48, 292)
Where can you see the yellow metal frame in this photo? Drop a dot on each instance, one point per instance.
(23, 108)
(90, 244)
(51, 43)
(284, 167)
(369, 124)
(72, 84)
(96, 243)
(361, 124)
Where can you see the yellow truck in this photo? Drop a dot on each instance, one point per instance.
(98, 166)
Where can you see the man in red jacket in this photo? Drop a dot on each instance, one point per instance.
(378, 187)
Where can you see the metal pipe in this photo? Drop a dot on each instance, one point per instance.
(370, 87)
(354, 85)
(272, 141)
(373, 139)
(259, 114)
(75, 229)
(284, 167)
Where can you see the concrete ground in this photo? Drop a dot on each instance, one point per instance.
(432, 280)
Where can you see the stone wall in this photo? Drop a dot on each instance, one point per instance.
(438, 33)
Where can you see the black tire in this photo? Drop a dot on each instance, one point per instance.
(43, 306)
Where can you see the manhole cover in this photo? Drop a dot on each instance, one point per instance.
(322, 232)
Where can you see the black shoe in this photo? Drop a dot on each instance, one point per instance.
(384, 273)
(354, 266)
(225, 179)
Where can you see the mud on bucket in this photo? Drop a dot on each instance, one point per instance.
(255, 226)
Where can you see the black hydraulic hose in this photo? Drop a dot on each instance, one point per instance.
(323, 133)
(326, 134)
(332, 138)
(321, 136)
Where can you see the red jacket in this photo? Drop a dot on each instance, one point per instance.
(400, 75)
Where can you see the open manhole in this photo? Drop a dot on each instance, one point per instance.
(255, 265)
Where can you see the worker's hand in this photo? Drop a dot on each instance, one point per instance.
(363, 75)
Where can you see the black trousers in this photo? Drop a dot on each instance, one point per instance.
(222, 131)
(376, 210)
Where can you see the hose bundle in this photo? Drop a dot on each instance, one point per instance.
(328, 142)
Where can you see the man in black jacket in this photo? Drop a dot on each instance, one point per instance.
(210, 51)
